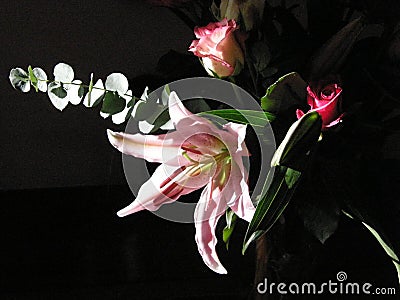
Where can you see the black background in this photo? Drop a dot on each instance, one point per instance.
(62, 183)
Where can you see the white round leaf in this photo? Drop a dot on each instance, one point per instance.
(145, 127)
(145, 95)
(104, 115)
(73, 92)
(19, 80)
(117, 82)
(42, 78)
(57, 95)
(63, 72)
(95, 94)
(168, 126)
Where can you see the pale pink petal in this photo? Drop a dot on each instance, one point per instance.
(233, 135)
(163, 148)
(205, 142)
(237, 191)
(177, 110)
(208, 211)
(211, 27)
(235, 138)
(183, 118)
(164, 186)
(194, 125)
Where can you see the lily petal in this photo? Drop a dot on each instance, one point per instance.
(234, 138)
(176, 109)
(238, 190)
(183, 119)
(163, 148)
(164, 186)
(208, 211)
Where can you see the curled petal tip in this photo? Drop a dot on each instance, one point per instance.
(110, 134)
(219, 269)
(133, 208)
(123, 212)
(114, 138)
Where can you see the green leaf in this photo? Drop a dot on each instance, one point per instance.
(113, 103)
(385, 244)
(295, 148)
(320, 212)
(166, 90)
(389, 251)
(82, 91)
(152, 113)
(160, 120)
(59, 91)
(291, 177)
(285, 92)
(33, 79)
(252, 117)
(260, 56)
(270, 207)
(231, 219)
(290, 159)
(334, 52)
(196, 105)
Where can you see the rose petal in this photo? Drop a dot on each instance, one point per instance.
(329, 111)
(299, 113)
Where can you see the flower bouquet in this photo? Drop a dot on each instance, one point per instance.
(279, 115)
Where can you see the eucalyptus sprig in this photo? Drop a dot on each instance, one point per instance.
(114, 95)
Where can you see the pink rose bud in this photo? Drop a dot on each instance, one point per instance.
(327, 102)
(218, 48)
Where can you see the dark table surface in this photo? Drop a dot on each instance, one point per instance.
(68, 243)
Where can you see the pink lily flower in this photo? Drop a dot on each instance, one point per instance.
(197, 154)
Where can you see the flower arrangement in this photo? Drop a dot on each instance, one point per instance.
(323, 92)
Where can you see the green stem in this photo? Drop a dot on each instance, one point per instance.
(84, 85)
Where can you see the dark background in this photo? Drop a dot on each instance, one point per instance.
(62, 183)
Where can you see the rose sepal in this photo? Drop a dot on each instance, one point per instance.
(295, 148)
